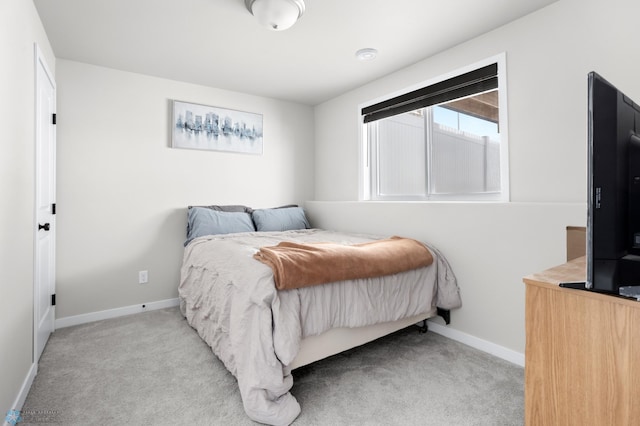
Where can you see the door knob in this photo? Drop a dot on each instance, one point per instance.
(46, 226)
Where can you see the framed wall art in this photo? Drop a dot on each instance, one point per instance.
(196, 126)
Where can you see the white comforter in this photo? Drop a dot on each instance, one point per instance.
(231, 300)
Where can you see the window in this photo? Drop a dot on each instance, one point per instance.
(443, 141)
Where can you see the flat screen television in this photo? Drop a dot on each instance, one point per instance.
(613, 204)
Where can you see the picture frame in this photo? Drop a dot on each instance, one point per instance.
(210, 128)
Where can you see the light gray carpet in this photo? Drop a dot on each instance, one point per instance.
(153, 369)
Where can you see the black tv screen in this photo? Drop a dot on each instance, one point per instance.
(613, 207)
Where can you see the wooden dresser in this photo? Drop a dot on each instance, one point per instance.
(582, 354)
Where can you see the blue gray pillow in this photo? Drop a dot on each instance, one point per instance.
(206, 221)
(280, 219)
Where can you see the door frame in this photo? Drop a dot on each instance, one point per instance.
(40, 66)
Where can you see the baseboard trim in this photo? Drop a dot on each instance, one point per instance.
(480, 344)
(24, 390)
(114, 313)
(451, 333)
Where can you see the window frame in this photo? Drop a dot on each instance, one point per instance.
(367, 156)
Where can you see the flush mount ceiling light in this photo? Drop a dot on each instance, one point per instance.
(276, 15)
(366, 54)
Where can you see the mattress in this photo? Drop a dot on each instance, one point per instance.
(231, 300)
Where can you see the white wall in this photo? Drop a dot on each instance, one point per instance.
(491, 246)
(123, 192)
(20, 28)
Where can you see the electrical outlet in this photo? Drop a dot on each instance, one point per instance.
(143, 277)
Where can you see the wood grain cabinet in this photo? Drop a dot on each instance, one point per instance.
(582, 354)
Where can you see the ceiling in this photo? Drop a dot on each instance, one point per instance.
(218, 43)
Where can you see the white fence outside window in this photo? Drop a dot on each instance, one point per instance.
(459, 162)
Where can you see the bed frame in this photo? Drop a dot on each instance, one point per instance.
(336, 340)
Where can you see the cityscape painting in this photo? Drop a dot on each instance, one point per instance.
(205, 127)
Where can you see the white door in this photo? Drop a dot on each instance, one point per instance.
(44, 228)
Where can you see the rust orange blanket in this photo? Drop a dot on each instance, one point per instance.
(297, 265)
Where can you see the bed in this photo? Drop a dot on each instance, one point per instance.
(260, 333)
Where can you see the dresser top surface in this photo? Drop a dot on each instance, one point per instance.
(573, 271)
